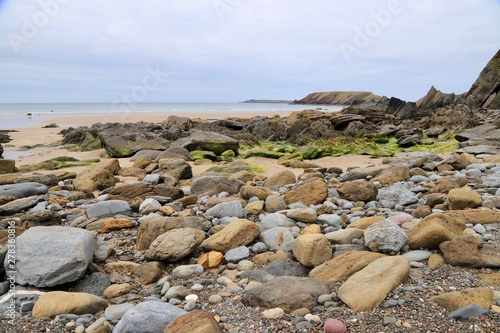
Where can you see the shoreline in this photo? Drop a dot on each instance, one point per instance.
(31, 136)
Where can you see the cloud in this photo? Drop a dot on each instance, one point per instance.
(229, 50)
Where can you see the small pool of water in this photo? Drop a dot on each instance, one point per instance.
(14, 155)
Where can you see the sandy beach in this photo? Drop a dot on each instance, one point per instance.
(44, 142)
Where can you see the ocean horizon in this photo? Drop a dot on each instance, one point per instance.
(18, 115)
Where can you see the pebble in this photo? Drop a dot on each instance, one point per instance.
(334, 326)
(214, 299)
(275, 313)
(197, 287)
(245, 265)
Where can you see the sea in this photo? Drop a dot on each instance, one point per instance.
(18, 115)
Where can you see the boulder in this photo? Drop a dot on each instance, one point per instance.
(278, 239)
(260, 192)
(151, 228)
(357, 191)
(280, 179)
(184, 123)
(197, 321)
(397, 194)
(474, 216)
(177, 168)
(175, 153)
(368, 288)
(433, 230)
(129, 192)
(40, 218)
(175, 244)
(108, 209)
(365, 222)
(231, 208)
(213, 185)
(342, 267)
(460, 198)
(469, 251)
(211, 141)
(54, 303)
(50, 256)
(311, 193)
(287, 292)
(123, 143)
(97, 176)
(274, 203)
(385, 237)
(306, 215)
(312, 250)
(148, 317)
(19, 205)
(23, 190)
(392, 175)
(455, 300)
(363, 173)
(17, 178)
(237, 233)
(7, 166)
(344, 236)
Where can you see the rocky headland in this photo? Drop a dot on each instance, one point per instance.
(411, 244)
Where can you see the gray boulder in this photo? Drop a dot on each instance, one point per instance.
(108, 209)
(397, 194)
(385, 237)
(120, 143)
(279, 238)
(94, 284)
(19, 205)
(50, 256)
(23, 190)
(148, 317)
(231, 208)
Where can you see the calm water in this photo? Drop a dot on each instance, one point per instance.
(16, 115)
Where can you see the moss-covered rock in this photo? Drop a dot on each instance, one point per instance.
(142, 163)
(228, 155)
(262, 153)
(91, 142)
(311, 152)
(203, 154)
(287, 159)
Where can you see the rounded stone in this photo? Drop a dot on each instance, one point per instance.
(334, 326)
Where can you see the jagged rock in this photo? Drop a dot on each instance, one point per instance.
(54, 303)
(357, 191)
(342, 267)
(50, 256)
(409, 137)
(368, 288)
(339, 98)
(211, 141)
(175, 244)
(151, 228)
(433, 230)
(287, 292)
(484, 92)
(385, 237)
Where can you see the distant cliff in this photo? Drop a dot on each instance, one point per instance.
(340, 98)
(276, 101)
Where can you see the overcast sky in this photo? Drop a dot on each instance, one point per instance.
(233, 50)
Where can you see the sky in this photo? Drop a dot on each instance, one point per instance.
(233, 50)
